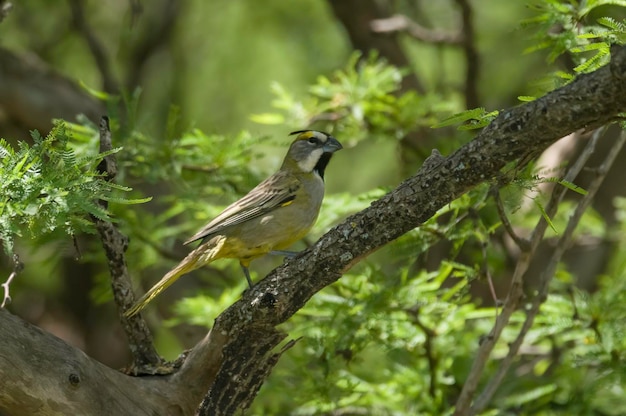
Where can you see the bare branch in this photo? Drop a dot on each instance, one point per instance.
(17, 267)
(32, 93)
(465, 38)
(429, 349)
(516, 294)
(531, 127)
(401, 23)
(145, 357)
(522, 243)
(487, 274)
(547, 275)
(356, 17)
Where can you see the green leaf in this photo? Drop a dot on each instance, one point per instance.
(530, 395)
(473, 114)
(573, 187)
(590, 5)
(126, 201)
(101, 95)
(545, 215)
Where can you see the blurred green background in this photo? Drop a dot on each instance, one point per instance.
(222, 83)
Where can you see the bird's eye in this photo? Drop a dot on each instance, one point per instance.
(314, 140)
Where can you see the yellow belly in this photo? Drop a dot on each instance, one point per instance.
(257, 238)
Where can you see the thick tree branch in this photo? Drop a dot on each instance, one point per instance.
(244, 338)
(42, 375)
(588, 102)
(32, 94)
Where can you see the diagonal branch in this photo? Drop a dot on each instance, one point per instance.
(227, 367)
(588, 102)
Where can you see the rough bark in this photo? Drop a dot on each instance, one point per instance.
(236, 356)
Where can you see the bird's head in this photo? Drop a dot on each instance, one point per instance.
(311, 151)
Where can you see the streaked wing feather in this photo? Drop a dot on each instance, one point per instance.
(275, 191)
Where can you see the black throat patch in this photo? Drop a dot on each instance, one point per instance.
(320, 167)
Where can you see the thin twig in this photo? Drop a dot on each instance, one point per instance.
(484, 243)
(17, 267)
(145, 357)
(546, 276)
(487, 273)
(401, 23)
(7, 296)
(429, 334)
(516, 293)
(522, 243)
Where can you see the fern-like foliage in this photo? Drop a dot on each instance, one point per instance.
(580, 29)
(48, 187)
(475, 118)
(361, 100)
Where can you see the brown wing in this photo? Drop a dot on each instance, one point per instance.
(277, 190)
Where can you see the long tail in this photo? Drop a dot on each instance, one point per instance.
(204, 254)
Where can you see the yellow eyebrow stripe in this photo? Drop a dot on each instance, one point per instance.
(306, 135)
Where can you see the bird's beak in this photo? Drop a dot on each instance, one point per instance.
(332, 145)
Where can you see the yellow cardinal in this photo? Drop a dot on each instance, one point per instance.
(276, 213)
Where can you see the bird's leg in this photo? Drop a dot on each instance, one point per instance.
(247, 273)
(286, 253)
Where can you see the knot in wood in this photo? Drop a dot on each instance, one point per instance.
(74, 379)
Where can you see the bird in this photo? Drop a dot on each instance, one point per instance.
(275, 214)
